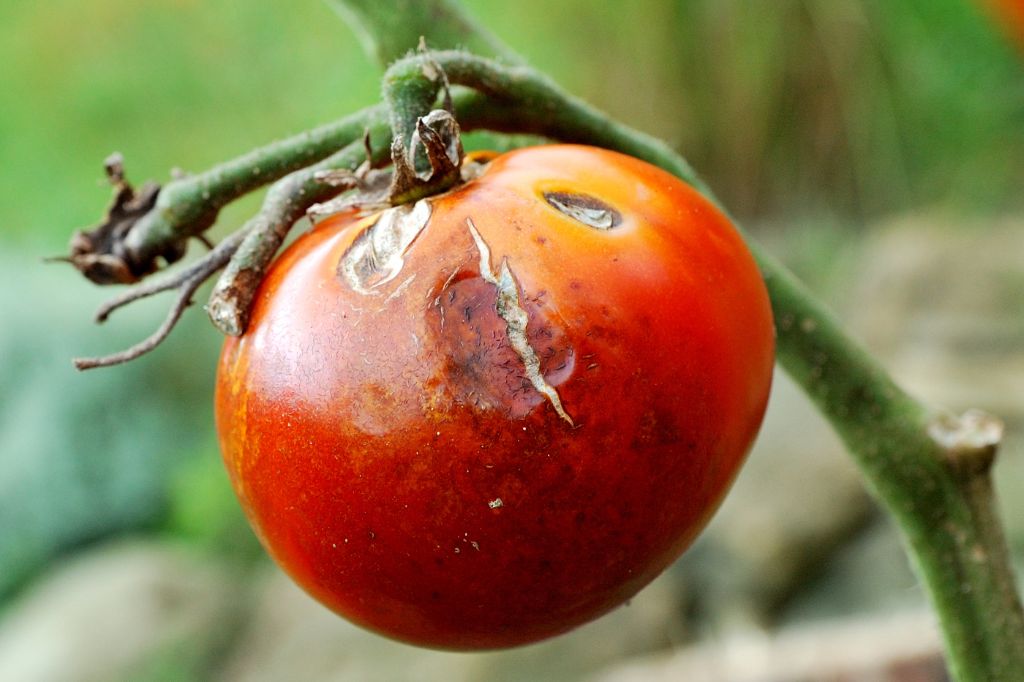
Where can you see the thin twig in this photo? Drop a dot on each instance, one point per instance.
(150, 227)
(219, 255)
(187, 207)
(183, 300)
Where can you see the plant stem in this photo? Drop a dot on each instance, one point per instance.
(389, 30)
(186, 281)
(285, 203)
(931, 471)
(187, 206)
(938, 490)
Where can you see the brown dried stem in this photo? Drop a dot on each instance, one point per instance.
(186, 281)
(218, 256)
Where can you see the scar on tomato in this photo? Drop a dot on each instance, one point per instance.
(483, 368)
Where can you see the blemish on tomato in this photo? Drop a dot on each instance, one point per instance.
(377, 255)
(508, 307)
(482, 368)
(584, 208)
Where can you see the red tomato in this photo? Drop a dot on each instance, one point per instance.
(1010, 13)
(487, 426)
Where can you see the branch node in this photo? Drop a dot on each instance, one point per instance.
(969, 441)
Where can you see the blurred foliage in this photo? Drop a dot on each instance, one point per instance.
(86, 455)
(837, 109)
(203, 511)
(845, 107)
(865, 107)
(852, 107)
(167, 82)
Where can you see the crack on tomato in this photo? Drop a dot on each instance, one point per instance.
(378, 254)
(516, 320)
(482, 369)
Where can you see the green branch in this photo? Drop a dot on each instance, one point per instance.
(186, 207)
(930, 470)
(389, 30)
(285, 203)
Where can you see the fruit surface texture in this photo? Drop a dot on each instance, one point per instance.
(488, 417)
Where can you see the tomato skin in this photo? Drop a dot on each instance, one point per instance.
(396, 462)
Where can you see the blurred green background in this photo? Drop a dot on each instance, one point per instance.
(816, 121)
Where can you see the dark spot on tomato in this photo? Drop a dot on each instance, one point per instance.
(658, 427)
(483, 369)
(584, 208)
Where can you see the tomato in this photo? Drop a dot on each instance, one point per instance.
(492, 416)
(1010, 14)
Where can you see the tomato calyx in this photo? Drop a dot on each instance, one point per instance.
(432, 163)
(437, 137)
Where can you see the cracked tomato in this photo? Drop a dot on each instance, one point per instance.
(493, 415)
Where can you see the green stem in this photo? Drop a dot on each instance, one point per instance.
(932, 477)
(409, 94)
(187, 206)
(521, 100)
(942, 504)
(285, 203)
(389, 30)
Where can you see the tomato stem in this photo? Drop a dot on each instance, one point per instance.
(931, 471)
(188, 205)
(387, 34)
